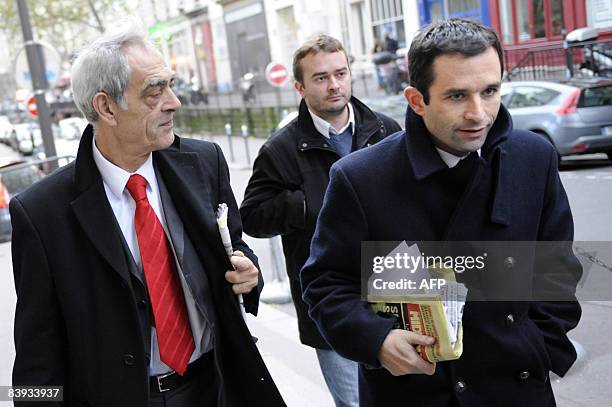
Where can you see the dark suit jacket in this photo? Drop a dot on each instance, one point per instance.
(77, 316)
(515, 195)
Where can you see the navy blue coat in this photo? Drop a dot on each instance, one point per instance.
(386, 193)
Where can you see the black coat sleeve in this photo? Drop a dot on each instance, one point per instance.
(40, 333)
(557, 272)
(273, 203)
(226, 195)
(331, 278)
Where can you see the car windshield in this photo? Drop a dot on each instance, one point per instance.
(598, 96)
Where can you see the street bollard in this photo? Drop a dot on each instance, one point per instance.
(228, 132)
(244, 130)
(277, 291)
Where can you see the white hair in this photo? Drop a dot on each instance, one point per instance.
(103, 66)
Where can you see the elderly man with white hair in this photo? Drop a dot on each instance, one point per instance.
(125, 294)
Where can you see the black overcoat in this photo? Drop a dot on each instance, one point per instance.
(515, 195)
(77, 322)
(285, 192)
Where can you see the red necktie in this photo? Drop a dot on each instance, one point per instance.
(169, 311)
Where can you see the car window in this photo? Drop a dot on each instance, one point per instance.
(530, 96)
(599, 96)
(506, 95)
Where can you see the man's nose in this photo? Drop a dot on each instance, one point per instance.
(171, 101)
(475, 110)
(333, 83)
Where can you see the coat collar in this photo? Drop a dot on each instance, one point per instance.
(422, 154)
(183, 177)
(366, 124)
(425, 160)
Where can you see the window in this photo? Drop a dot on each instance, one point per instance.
(464, 8)
(531, 97)
(599, 96)
(534, 20)
(556, 17)
(507, 28)
(388, 17)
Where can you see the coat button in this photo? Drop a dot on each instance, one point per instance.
(304, 145)
(524, 375)
(142, 304)
(128, 360)
(509, 319)
(509, 263)
(460, 387)
(325, 145)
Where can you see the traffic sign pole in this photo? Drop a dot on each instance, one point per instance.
(38, 71)
(277, 75)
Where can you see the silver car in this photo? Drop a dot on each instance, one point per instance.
(576, 116)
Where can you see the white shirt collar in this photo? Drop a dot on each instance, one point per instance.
(115, 177)
(451, 159)
(324, 127)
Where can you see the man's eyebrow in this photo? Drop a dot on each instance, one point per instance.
(327, 73)
(154, 83)
(453, 91)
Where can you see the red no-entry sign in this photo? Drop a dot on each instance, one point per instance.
(31, 105)
(277, 74)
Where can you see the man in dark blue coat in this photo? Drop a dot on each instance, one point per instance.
(458, 173)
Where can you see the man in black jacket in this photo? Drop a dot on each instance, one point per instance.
(290, 176)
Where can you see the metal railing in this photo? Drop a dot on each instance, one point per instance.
(559, 62)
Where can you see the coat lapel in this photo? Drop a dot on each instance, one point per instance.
(93, 211)
(184, 177)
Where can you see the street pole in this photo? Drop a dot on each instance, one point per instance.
(38, 72)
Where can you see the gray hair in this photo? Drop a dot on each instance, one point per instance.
(103, 66)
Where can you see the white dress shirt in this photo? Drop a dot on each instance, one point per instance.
(115, 180)
(451, 159)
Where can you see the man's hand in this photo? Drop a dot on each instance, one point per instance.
(245, 275)
(399, 356)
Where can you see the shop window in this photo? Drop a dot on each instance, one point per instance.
(465, 9)
(534, 19)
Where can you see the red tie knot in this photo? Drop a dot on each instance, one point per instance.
(137, 186)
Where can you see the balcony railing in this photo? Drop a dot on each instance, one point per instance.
(556, 62)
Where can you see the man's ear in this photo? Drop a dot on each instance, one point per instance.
(299, 87)
(106, 108)
(415, 100)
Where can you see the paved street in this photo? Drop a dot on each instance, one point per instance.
(294, 367)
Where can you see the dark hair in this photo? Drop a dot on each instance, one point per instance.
(453, 36)
(320, 43)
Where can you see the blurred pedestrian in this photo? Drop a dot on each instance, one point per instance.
(285, 193)
(391, 44)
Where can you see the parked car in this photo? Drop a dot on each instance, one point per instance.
(25, 137)
(6, 128)
(15, 176)
(576, 116)
(72, 128)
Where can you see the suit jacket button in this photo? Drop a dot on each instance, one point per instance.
(509, 319)
(524, 375)
(304, 145)
(509, 263)
(129, 360)
(460, 387)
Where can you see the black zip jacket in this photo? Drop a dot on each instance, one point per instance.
(285, 192)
